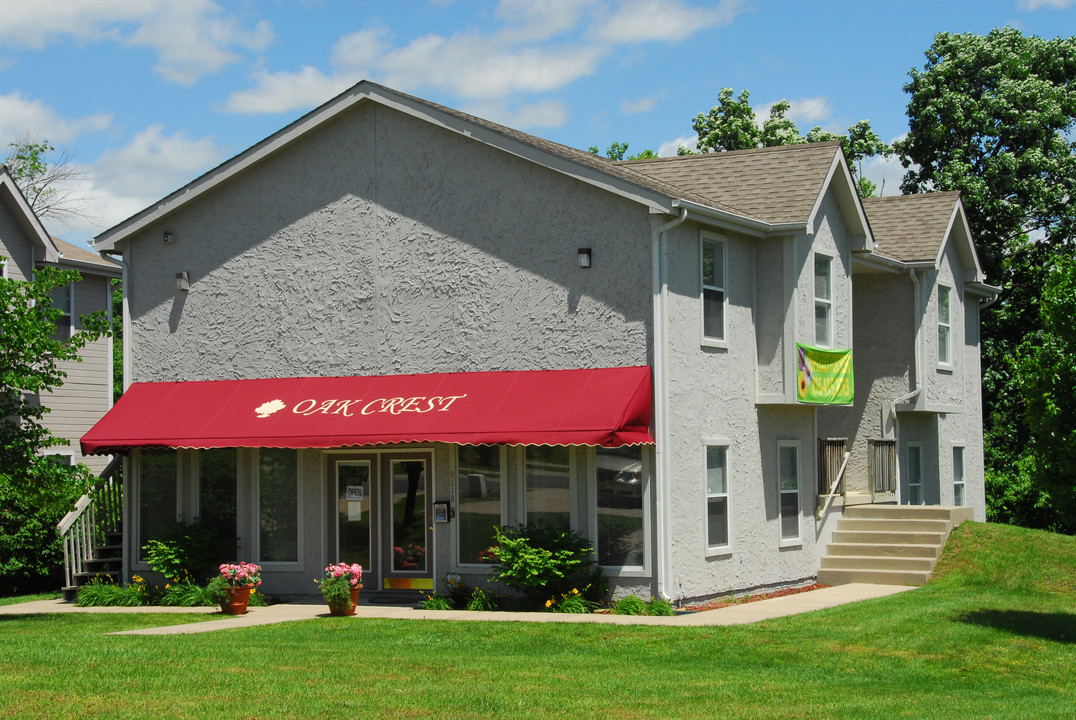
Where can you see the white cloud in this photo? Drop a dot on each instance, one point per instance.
(192, 37)
(662, 20)
(668, 149)
(642, 105)
(805, 111)
(280, 92)
(22, 117)
(1036, 4)
(153, 164)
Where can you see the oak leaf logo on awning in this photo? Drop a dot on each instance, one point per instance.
(268, 408)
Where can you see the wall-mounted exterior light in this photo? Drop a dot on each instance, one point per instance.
(168, 238)
(584, 257)
(183, 282)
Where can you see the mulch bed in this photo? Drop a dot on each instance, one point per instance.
(716, 604)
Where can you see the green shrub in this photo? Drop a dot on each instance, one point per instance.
(104, 592)
(661, 606)
(185, 594)
(571, 602)
(482, 600)
(433, 601)
(217, 591)
(630, 605)
(185, 550)
(539, 561)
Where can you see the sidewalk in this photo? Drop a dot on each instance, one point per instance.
(741, 614)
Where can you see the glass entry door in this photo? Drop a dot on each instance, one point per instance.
(384, 521)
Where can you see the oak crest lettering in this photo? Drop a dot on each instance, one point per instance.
(360, 406)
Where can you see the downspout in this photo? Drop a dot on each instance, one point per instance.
(659, 254)
(128, 521)
(892, 414)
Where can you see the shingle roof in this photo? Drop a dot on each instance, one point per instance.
(82, 255)
(910, 228)
(776, 185)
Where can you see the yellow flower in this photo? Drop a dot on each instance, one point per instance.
(548, 603)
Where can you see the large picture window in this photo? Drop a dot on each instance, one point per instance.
(620, 506)
(717, 497)
(278, 505)
(789, 473)
(823, 300)
(157, 493)
(479, 501)
(713, 288)
(945, 328)
(217, 473)
(548, 487)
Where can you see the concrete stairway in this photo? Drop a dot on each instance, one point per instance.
(889, 544)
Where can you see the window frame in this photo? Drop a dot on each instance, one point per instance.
(945, 326)
(256, 508)
(720, 242)
(138, 491)
(823, 302)
(797, 540)
(504, 480)
(67, 319)
(727, 547)
(623, 570)
(960, 481)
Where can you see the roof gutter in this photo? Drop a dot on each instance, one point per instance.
(659, 252)
(739, 223)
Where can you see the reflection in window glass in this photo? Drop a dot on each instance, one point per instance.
(156, 493)
(278, 505)
(620, 506)
(353, 510)
(717, 497)
(408, 478)
(823, 300)
(713, 289)
(944, 325)
(915, 475)
(548, 496)
(958, 477)
(790, 491)
(217, 498)
(479, 502)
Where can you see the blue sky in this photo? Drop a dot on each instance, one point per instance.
(145, 95)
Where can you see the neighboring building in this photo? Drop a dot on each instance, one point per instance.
(86, 394)
(390, 326)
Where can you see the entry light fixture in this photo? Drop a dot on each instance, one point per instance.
(168, 238)
(584, 257)
(183, 282)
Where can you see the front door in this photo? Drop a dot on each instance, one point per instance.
(384, 517)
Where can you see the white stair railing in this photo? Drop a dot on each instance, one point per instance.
(95, 515)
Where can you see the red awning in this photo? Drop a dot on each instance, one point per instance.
(608, 407)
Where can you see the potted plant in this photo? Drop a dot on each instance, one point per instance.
(232, 587)
(340, 588)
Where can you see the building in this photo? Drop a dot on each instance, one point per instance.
(87, 391)
(390, 326)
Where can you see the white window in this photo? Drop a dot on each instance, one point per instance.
(478, 503)
(278, 505)
(945, 328)
(63, 299)
(789, 474)
(823, 300)
(158, 493)
(620, 485)
(717, 497)
(915, 475)
(959, 497)
(548, 477)
(713, 288)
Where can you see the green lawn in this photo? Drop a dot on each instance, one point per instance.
(992, 636)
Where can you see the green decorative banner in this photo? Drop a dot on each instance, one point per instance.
(823, 376)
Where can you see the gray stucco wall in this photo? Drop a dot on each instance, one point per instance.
(381, 244)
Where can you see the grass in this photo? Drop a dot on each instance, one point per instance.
(992, 636)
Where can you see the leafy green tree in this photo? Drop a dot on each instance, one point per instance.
(618, 150)
(35, 490)
(1045, 373)
(732, 125)
(992, 116)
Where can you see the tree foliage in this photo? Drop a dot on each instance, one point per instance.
(49, 185)
(618, 150)
(35, 490)
(993, 116)
(732, 125)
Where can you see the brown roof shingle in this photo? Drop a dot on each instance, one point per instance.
(910, 228)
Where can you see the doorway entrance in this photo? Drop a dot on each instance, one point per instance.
(384, 516)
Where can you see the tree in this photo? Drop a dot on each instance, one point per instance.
(732, 125)
(35, 490)
(49, 187)
(1045, 373)
(992, 116)
(618, 150)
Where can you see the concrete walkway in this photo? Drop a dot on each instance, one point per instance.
(740, 614)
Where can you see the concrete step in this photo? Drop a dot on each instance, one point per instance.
(882, 550)
(835, 576)
(895, 524)
(956, 515)
(888, 537)
(877, 562)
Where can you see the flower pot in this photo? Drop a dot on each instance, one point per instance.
(349, 609)
(238, 598)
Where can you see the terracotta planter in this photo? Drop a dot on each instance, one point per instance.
(238, 599)
(349, 609)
